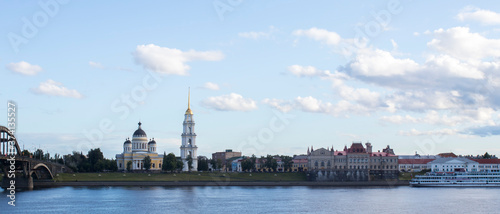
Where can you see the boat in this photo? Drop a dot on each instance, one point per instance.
(489, 178)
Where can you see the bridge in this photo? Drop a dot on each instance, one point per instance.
(21, 169)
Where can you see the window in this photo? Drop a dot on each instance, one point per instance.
(153, 165)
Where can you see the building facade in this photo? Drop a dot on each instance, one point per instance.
(453, 165)
(136, 150)
(355, 158)
(224, 156)
(189, 150)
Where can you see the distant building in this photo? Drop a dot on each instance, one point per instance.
(447, 155)
(355, 158)
(136, 150)
(299, 163)
(488, 164)
(188, 147)
(454, 165)
(413, 165)
(224, 156)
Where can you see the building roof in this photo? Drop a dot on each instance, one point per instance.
(448, 155)
(381, 154)
(452, 160)
(487, 161)
(414, 161)
(139, 132)
(357, 148)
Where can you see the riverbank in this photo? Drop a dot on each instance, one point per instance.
(222, 183)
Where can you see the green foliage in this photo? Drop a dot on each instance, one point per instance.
(247, 165)
(189, 162)
(169, 162)
(179, 165)
(26, 153)
(486, 155)
(287, 162)
(203, 164)
(94, 156)
(129, 165)
(147, 162)
(271, 163)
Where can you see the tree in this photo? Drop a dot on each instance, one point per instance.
(219, 164)
(247, 165)
(147, 162)
(129, 165)
(202, 164)
(170, 162)
(189, 162)
(287, 162)
(213, 162)
(254, 160)
(26, 153)
(38, 154)
(179, 165)
(95, 155)
(486, 156)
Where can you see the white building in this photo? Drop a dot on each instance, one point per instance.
(453, 165)
(188, 147)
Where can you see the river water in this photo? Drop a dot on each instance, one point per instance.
(254, 200)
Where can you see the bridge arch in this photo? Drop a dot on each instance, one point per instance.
(6, 136)
(41, 166)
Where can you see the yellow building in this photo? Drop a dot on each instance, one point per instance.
(136, 150)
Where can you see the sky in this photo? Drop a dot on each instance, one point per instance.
(265, 77)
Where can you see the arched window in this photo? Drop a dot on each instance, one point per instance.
(316, 163)
(322, 163)
(189, 141)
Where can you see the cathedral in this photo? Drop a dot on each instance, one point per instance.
(136, 150)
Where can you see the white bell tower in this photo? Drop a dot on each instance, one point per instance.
(188, 147)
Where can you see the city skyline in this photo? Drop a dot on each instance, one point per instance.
(265, 77)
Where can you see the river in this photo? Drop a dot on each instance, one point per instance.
(253, 200)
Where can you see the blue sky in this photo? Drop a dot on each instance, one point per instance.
(266, 77)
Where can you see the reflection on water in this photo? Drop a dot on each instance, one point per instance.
(253, 200)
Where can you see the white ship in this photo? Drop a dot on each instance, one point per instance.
(457, 179)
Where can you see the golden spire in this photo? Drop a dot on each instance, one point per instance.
(188, 111)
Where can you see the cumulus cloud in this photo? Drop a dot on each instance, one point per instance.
(485, 17)
(257, 35)
(415, 132)
(230, 102)
(321, 35)
(24, 68)
(53, 88)
(463, 44)
(342, 108)
(310, 71)
(170, 60)
(211, 86)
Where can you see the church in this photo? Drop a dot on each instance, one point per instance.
(136, 150)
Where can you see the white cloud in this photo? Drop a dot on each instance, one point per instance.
(96, 65)
(53, 88)
(322, 35)
(280, 105)
(485, 17)
(342, 108)
(24, 68)
(211, 86)
(230, 102)
(253, 35)
(257, 35)
(170, 60)
(461, 43)
(369, 62)
(414, 132)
